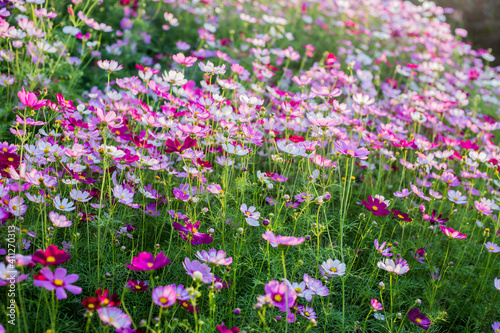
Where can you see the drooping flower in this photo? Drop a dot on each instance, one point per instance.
(165, 296)
(433, 219)
(452, 233)
(392, 267)
(415, 316)
(58, 281)
(281, 240)
(146, 262)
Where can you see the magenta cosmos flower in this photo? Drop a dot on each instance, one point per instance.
(29, 99)
(376, 305)
(165, 296)
(146, 262)
(281, 240)
(452, 233)
(58, 281)
(281, 295)
(418, 318)
(377, 207)
(191, 234)
(351, 149)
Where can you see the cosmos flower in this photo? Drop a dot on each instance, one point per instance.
(381, 250)
(58, 281)
(415, 316)
(492, 247)
(191, 233)
(452, 233)
(332, 268)
(214, 257)
(376, 305)
(198, 270)
(164, 296)
(281, 240)
(145, 261)
(51, 256)
(251, 216)
(59, 220)
(281, 295)
(377, 207)
(392, 267)
(351, 149)
(109, 65)
(114, 317)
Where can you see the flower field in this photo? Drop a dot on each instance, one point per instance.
(246, 166)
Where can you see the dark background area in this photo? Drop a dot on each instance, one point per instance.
(481, 18)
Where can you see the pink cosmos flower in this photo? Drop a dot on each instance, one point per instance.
(180, 58)
(58, 281)
(146, 262)
(29, 99)
(351, 149)
(164, 296)
(482, 208)
(376, 305)
(109, 65)
(452, 233)
(59, 220)
(115, 317)
(281, 240)
(191, 234)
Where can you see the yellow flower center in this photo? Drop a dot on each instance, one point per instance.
(418, 320)
(298, 289)
(278, 298)
(163, 300)
(137, 286)
(10, 159)
(58, 282)
(51, 259)
(307, 314)
(333, 269)
(375, 208)
(150, 264)
(91, 306)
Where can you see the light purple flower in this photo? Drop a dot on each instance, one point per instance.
(198, 270)
(492, 247)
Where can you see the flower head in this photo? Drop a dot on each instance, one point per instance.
(400, 267)
(165, 296)
(332, 268)
(418, 318)
(51, 256)
(281, 240)
(377, 207)
(146, 262)
(452, 233)
(58, 281)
